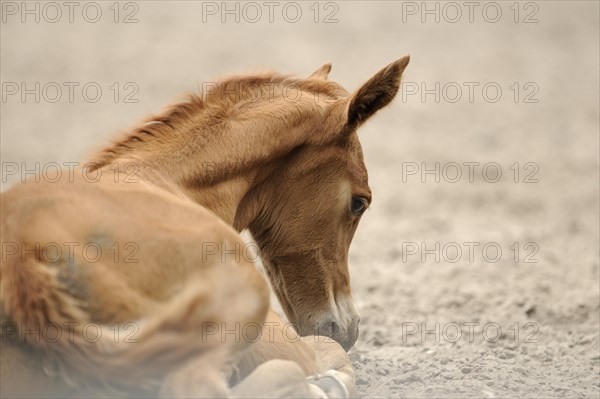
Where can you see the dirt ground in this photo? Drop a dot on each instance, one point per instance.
(470, 283)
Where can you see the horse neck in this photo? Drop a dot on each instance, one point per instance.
(203, 181)
(186, 156)
(213, 151)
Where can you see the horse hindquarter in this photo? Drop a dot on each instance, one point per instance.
(168, 291)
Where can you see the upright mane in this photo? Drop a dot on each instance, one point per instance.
(223, 97)
(154, 127)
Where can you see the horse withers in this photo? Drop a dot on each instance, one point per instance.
(164, 213)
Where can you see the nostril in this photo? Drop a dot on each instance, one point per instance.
(329, 329)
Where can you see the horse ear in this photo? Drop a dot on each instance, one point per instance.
(376, 93)
(322, 72)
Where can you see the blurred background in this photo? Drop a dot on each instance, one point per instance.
(476, 269)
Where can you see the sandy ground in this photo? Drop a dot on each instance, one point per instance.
(528, 318)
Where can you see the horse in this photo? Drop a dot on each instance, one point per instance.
(130, 277)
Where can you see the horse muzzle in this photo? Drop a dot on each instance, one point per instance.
(345, 335)
(340, 322)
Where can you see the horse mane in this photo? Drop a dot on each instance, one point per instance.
(225, 94)
(153, 127)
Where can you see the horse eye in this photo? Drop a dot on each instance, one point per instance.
(358, 205)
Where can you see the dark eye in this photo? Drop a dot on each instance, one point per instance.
(358, 205)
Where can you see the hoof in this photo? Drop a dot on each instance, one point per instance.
(330, 384)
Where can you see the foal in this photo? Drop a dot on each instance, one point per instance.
(276, 155)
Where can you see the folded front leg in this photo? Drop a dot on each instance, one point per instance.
(321, 359)
(333, 361)
(277, 379)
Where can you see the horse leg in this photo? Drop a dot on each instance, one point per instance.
(333, 361)
(278, 340)
(281, 361)
(242, 300)
(202, 377)
(277, 379)
(274, 366)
